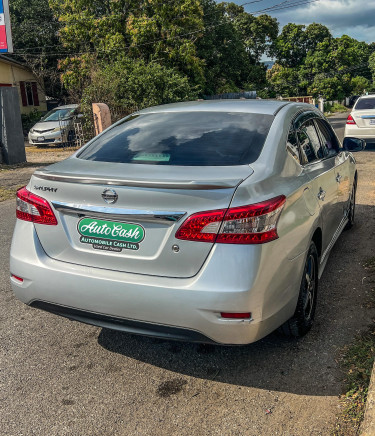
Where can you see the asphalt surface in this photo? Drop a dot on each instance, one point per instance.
(65, 378)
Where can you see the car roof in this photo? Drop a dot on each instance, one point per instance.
(266, 107)
(67, 106)
(366, 96)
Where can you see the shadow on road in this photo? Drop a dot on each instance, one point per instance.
(306, 366)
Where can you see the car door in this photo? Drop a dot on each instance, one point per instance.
(322, 173)
(332, 149)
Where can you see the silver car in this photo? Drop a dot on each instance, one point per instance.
(55, 128)
(201, 221)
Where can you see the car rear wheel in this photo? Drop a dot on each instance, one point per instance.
(303, 317)
(351, 211)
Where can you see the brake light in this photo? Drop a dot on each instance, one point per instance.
(252, 224)
(350, 120)
(31, 207)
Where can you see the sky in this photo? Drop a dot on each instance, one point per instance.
(355, 18)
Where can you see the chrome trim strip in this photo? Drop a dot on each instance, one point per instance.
(367, 117)
(118, 213)
(161, 184)
(338, 232)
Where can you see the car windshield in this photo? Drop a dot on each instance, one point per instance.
(184, 139)
(365, 103)
(58, 114)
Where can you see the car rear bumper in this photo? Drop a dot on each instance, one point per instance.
(367, 133)
(183, 309)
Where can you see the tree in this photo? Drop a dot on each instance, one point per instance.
(359, 84)
(290, 47)
(222, 50)
(284, 81)
(127, 85)
(371, 63)
(34, 32)
(330, 88)
(163, 32)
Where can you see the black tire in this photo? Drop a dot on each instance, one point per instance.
(351, 211)
(303, 318)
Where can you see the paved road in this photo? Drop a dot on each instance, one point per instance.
(63, 378)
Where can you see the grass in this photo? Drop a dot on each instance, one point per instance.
(357, 360)
(334, 108)
(8, 193)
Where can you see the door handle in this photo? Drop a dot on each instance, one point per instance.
(321, 194)
(338, 178)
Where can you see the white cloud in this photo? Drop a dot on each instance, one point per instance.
(355, 18)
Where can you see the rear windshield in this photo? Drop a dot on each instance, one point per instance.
(183, 138)
(58, 114)
(365, 103)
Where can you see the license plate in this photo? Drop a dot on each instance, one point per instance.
(40, 138)
(372, 122)
(110, 235)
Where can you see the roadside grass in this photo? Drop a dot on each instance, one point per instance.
(8, 193)
(4, 167)
(330, 110)
(33, 149)
(357, 360)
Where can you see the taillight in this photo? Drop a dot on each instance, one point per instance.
(350, 120)
(252, 224)
(31, 207)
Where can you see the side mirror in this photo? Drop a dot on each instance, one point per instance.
(354, 144)
(80, 116)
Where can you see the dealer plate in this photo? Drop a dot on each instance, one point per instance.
(110, 235)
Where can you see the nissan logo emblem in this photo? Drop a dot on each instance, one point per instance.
(109, 196)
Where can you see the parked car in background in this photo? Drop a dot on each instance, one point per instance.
(56, 127)
(361, 121)
(352, 100)
(203, 221)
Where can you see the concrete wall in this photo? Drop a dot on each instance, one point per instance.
(12, 146)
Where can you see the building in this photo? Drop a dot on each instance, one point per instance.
(31, 94)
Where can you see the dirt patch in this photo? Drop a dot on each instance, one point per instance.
(13, 177)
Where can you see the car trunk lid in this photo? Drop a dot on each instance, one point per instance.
(364, 118)
(136, 233)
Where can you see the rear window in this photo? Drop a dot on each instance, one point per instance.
(365, 103)
(183, 138)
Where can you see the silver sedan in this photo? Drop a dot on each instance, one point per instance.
(202, 221)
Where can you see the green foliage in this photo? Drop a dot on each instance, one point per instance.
(371, 63)
(163, 32)
(285, 81)
(34, 33)
(28, 120)
(127, 85)
(322, 65)
(330, 88)
(33, 24)
(334, 108)
(359, 84)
